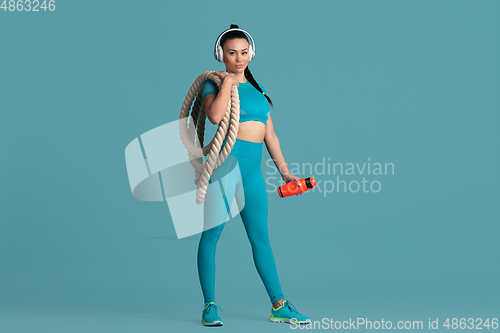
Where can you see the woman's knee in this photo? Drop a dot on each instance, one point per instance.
(212, 235)
(259, 238)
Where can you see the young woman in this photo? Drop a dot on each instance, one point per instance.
(255, 127)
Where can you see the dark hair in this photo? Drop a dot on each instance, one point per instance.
(248, 75)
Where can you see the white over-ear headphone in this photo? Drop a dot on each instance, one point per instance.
(219, 53)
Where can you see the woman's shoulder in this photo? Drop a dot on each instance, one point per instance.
(210, 83)
(210, 87)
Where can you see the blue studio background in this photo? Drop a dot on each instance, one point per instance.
(412, 83)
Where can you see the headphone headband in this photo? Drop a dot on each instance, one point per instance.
(252, 47)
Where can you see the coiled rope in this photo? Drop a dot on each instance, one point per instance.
(228, 126)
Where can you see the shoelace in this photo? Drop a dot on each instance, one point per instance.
(292, 307)
(212, 306)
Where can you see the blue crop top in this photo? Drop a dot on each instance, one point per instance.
(253, 104)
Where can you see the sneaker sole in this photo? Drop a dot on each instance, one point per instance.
(276, 320)
(217, 323)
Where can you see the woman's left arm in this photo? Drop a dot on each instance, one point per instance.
(273, 146)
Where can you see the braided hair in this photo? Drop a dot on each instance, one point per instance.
(248, 75)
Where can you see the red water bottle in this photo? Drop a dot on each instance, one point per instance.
(291, 188)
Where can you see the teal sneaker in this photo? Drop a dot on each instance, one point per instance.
(287, 313)
(210, 317)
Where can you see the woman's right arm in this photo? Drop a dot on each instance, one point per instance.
(216, 105)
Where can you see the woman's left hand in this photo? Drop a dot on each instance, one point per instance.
(288, 177)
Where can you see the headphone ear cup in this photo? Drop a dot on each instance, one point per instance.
(220, 54)
(251, 52)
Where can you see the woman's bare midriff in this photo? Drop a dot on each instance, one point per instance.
(252, 130)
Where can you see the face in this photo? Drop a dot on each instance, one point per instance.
(236, 55)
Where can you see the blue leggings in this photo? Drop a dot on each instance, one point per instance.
(249, 191)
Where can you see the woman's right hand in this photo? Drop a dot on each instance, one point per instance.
(224, 76)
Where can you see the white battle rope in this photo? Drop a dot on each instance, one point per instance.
(228, 126)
